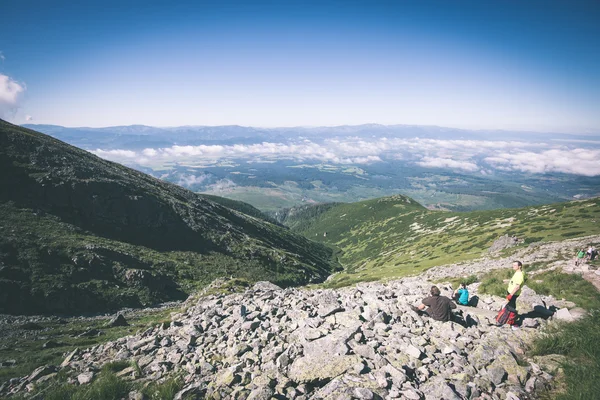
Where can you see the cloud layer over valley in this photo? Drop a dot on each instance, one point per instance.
(471, 156)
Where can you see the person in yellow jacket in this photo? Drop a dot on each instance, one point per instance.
(515, 284)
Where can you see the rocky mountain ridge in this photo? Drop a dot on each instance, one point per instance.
(357, 342)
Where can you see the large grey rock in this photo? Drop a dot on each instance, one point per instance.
(40, 372)
(437, 389)
(196, 388)
(329, 310)
(265, 286)
(319, 368)
(564, 315)
(411, 394)
(69, 358)
(503, 242)
(261, 393)
(119, 320)
(250, 325)
(333, 344)
(397, 376)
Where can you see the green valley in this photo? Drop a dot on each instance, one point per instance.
(395, 236)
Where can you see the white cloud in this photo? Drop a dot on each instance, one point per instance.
(10, 94)
(115, 155)
(28, 118)
(569, 161)
(149, 152)
(2, 58)
(190, 180)
(361, 160)
(434, 162)
(222, 185)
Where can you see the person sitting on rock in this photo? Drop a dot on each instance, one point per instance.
(461, 295)
(590, 253)
(439, 307)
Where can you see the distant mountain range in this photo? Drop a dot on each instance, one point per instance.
(142, 136)
(79, 234)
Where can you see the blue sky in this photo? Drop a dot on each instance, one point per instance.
(495, 65)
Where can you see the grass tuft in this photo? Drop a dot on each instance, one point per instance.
(164, 390)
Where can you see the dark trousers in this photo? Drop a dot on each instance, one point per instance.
(513, 301)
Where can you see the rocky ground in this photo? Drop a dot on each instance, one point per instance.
(358, 342)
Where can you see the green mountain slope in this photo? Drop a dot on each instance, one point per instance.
(300, 218)
(79, 233)
(240, 206)
(395, 236)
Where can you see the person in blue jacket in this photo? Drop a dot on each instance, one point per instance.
(461, 295)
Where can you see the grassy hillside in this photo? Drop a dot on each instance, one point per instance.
(302, 217)
(79, 233)
(240, 206)
(395, 236)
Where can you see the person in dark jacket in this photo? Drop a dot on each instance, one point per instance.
(438, 307)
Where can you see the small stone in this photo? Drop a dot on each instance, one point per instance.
(530, 323)
(85, 378)
(363, 393)
(359, 368)
(282, 361)
(312, 334)
(261, 393)
(68, 359)
(50, 344)
(413, 351)
(411, 394)
(398, 377)
(250, 325)
(497, 375)
(381, 379)
(91, 333)
(41, 371)
(136, 395)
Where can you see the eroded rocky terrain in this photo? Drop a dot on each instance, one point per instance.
(358, 342)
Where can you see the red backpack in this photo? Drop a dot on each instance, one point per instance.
(507, 315)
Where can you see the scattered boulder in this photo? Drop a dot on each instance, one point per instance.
(90, 333)
(504, 242)
(40, 372)
(265, 286)
(85, 378)
(564, 315)
(119, 320)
